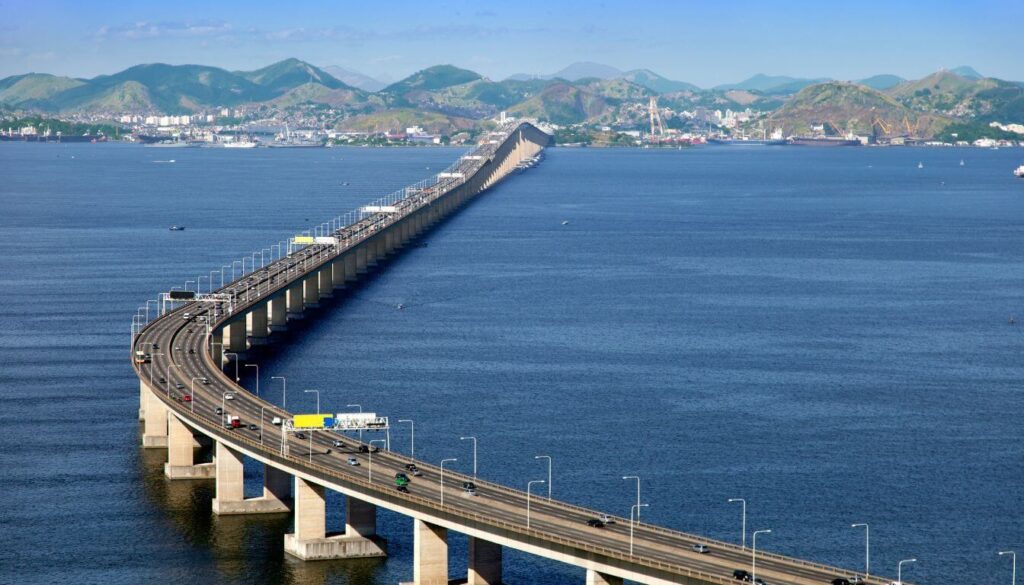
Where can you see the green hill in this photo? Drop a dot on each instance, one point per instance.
(657, 83)
(948, 93)
(290, 74)
(843, 106)
(397, 120)
(34, 89)
(563, 103)
(432, 78)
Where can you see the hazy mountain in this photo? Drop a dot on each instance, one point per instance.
(657, 83)
(983, 99)
(356, 79)
(967, 71)
(563, 103)
(432, 78)
(575, 72)
(772, 83)
(882, 82)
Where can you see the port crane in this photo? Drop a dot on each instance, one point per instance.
(652, 110)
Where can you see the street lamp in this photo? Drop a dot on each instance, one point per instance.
(257, 376)
(223, 405)
(237, 359)
(369, 455)
(284, 391)
(412, 437)
(637, 478)
(474, 452)
(743, 524)
(632, 524)
(443, 461)
(753, 555)
(899, 569)
(529, 485)
(317, 399)
(1013, 555)
(548, 457)
(867, 547)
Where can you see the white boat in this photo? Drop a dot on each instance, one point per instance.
(1019, 172)
(240, 144)
(920, 165)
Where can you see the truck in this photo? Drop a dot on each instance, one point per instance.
(232, 421)
(142, 357)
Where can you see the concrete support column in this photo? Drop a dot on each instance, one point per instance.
(236, 335)
(595, 578)
(218, 347)
(350, 267)
(279, 312)
(310, 540)
(311, 290)
(154, 429)
(258, 327)
(389, 238)
(360, 518)
(361, 259)
(430, 554)
(143, 389)
(296, 305)
(326, 276)
(338, 273)
(230, 483)
(484, 562)
(371, 251)
(180, 450)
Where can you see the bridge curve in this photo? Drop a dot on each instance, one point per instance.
(185, 351)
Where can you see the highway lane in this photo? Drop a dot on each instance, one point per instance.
(494, 501)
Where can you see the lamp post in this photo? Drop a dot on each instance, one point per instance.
(632, 523)
(899, 569)
(753, 555)
(529, 485)
(743, 522)
(637, 478)
(223, 405)
(317, 399)
(369, 455)
(192, 399)
(548, 457)
(412, 437)
(169, 366)
(474, 452)
(262, 408)
(152, 368)
(1013, 555)
(867, 547)
(443, 461)
(284, 391)
(227, 353)
(257, 366)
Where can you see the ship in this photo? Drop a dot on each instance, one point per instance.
(823, 141)
(776, 139)
(1019, 172)
(177, 228)
(239, 144)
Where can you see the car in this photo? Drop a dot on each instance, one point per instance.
(364, 449)
(741, 575)
(276, 421)
(401, 476)
(700, 548)
(229, 396)
(163, 380)
(413, 469)
(205, 381)
(595, 523)
(300, 435)
(336, 443)
(156, 345)
(607, 519)
(856, 580)
(840, 581)
(252, 427)
(759, 581)
(186, 398)
(179, 385)
(218, 410)
(191, 351)
(353, 462)
(468, 485)
(402, 489)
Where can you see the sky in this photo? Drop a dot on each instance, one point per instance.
(706, 43)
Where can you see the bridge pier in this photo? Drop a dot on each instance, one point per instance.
(154, 428)
(430, 554)
(181, 446)
(236, 340)
(484, 562)
(371, 251)
(338, 274)
(311, 290)
(350, 267)
(361, 259)
(296, 305)
(257, 326)
(218, 347)
(230, 485)
(279, 313)
(596, 578)
(326, 278)
(310, 541)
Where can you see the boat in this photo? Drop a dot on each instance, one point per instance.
(240, 144)
(168, 144)
(920, 165)
(177, 228)
(1019, 172)
(823, 141)
(961, 162)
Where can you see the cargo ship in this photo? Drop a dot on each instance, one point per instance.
(776, 139)
(823, 141)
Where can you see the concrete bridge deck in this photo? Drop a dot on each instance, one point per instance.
(297, 471)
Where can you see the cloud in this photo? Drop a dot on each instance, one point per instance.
(155, 30)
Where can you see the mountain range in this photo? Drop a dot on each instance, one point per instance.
(445, 98)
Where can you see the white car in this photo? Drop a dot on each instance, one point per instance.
(606, 519)
(353, 461)
(229, 397)
(276, 421)
(700, 548)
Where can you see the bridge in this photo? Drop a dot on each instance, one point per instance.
(186, 398)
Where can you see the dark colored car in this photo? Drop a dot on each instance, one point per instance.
(218, 410)
(253, 427)
(402, 489)
(468, 485)
(840, 581)
(300, 435)
(741, 575)
(595, 523)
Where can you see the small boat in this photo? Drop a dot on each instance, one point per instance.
(565, 222)
(920, 165)
(1019, 172)
(177, 228)
(961, 162)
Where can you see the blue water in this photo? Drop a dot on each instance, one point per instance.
(823, 332)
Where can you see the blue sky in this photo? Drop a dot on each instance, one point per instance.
(706, 43)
